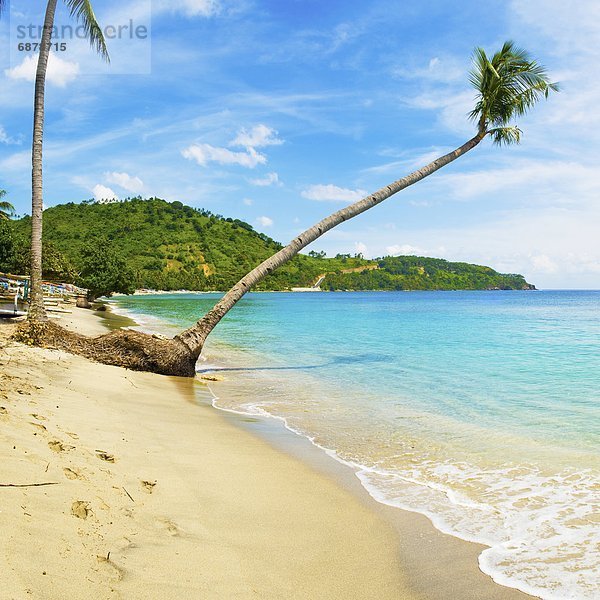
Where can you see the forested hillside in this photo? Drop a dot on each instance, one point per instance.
(172, 246)
(419, 273)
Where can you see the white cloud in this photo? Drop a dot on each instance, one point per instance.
(205, 153)
(248, 201)
(453, 108)
(260, 135)
(19, 161)
(59, 72)
(543, 264)
(333, 193)
(268, 179)
(103, 193)
(362, 248)
(132, 184)
(553, 182)
(406, 161)
(570, 24)
(265, 221)
(190, 8)
(405, 250)
(444, 70)
(6, 139)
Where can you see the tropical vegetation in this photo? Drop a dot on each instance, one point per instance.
(103, 269)
(170, 246)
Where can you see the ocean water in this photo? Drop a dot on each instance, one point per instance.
(477, 409)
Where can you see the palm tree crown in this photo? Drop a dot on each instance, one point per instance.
(84, 13)
(508, 85)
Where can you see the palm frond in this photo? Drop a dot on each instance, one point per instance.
(84, 13)
(509, 84)
(505, 136)
(7, 210)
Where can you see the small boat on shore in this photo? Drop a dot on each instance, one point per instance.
(10, 313)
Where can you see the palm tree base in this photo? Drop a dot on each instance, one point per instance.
(37, 313)
(123, 348)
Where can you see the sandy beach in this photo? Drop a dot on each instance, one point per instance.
(117, 484)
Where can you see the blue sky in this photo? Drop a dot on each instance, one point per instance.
(280, 111)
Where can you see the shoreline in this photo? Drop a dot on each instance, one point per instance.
(470, 580)
(453, 573)
(361, 548)
(143, 292)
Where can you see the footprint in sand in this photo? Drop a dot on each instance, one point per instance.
(58, 446)
(126, 544)
(72, 473)
(39, 417)
(148, 486)
(102, 455)
(38, 426)
(81, 509)
(3, 411)
(116, 571)
(171, 528)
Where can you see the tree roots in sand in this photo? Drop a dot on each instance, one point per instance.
(123, 348)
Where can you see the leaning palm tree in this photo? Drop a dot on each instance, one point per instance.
(82, 10)
(7, 210)
(508, 85)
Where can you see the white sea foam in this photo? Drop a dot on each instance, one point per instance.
(540, 529)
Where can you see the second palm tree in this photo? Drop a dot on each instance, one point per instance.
(83, 11)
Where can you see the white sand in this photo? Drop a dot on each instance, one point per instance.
(222, 515)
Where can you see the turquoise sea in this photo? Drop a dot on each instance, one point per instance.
(477, 409)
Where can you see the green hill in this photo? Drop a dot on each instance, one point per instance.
(172, 246)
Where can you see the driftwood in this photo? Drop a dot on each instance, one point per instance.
(22, 485)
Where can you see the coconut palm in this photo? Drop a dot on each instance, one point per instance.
(507, 85)
(82, 10)
(7, 210)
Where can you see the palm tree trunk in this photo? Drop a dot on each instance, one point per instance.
(194, 337)
(36, 304)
